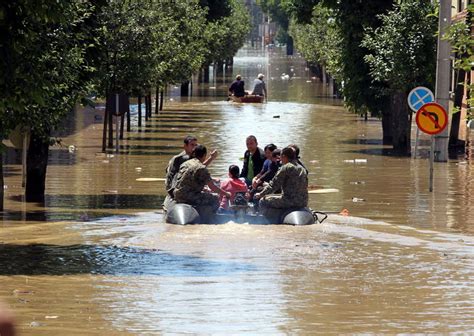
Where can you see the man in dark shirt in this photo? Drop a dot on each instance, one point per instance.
(237, 87)
(254, 158)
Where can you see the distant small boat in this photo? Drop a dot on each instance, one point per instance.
(248, 99)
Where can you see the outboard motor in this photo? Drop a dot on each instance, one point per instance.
(298, 217)
(181, 213)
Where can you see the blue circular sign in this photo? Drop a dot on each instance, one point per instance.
(418, 97)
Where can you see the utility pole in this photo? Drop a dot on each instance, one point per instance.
(443, 69)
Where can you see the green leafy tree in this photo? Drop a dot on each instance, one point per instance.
(44, 71)
(403, 56)
(224, 36)
(320, 40)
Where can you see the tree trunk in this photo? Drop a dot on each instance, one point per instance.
(161, 99)
(400, 121)
(111, 129)
(2, 188)
(324, 78)
(139, 111)
(205, 75)
(219, 69)
(157, 104)
(104, 129)
(149, 105)
(185, 89)
(145, 98)
(36, 164)
(200, 76)
(122, 123)
(129, 127)
(289, 46)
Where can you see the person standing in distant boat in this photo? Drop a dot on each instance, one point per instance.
(237, 87)
(259, 87)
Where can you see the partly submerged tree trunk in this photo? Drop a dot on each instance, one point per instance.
(2, 190)
(157, 100)
(289, 46)
(110, 120)
(36, 164)
(219, 69)
(205, 73)
(162, 94)
(139, 111)
(104, 129)
(401, 127)
(185, 89)
(387, 127)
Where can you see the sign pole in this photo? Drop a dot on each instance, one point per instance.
(117, 123)
(432, 119)
(432, 162)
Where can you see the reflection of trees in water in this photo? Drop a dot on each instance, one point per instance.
(45, 259)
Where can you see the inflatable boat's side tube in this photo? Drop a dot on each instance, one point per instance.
(182, 214)
(298, 217)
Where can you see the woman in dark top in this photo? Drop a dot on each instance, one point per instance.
(237, 87)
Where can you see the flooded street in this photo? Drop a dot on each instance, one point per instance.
(98, 258)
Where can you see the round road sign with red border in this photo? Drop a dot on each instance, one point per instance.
(432, 118)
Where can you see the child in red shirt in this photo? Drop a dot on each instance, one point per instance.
(233, 185)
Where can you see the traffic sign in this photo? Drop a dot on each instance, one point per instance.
(432, 118)
(418, 97)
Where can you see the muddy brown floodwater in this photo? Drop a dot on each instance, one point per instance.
(98, 259)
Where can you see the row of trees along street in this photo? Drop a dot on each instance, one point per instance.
(55, 54)
(376, 52)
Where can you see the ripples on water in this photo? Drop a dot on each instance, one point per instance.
(97, 259)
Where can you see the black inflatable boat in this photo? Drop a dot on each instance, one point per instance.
(180, 213)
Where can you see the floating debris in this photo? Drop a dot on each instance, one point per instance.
(357, 200)
(276, 116)
(323, 191)
(344, 212)
(358, 182)
(150, 179)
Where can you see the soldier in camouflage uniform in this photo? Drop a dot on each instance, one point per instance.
(191, 179)
(190, 142)
(176, 161)
(293, 181)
